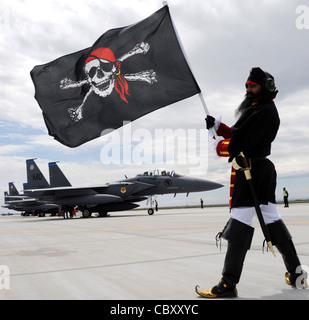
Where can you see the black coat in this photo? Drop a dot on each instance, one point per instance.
(253, 134)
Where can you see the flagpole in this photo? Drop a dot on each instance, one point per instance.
(184, 53)
(212, 129)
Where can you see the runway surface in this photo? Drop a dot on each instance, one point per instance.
(133, 256)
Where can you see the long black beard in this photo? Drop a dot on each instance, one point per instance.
(247, 102)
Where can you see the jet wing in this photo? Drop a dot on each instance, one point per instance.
(66, 191)
(26, 203)
(21, 201)
(16, 200)
(93, 195)
(87, 200)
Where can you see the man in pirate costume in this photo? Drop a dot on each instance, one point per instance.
(254, 131)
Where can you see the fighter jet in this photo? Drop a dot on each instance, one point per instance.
(26, 204)
(115, 196)
(162, 181)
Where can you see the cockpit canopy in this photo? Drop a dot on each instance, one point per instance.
(160, 172)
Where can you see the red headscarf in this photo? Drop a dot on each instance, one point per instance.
(121, 84)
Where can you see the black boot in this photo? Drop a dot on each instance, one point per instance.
(239, 236)
(282, 239)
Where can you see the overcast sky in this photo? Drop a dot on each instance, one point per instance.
(222, 40)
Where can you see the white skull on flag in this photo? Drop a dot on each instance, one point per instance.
(103, 74)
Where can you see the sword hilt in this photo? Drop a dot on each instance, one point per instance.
(240, 163)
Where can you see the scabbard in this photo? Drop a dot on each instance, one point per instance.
(260, 217)
(246, 168)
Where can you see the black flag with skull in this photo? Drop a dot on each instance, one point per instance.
(127, 73)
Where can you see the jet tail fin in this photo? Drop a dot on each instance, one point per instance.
(6, 197)
(35, 178)
(57, 177)
(12, 189)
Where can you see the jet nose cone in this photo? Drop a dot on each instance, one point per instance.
(215, 185)
(206, 185)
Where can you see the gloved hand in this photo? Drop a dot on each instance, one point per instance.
(210, 122)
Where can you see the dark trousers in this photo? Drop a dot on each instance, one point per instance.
(239, 237)
(286, 201)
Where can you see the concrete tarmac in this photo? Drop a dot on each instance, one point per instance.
(133, 256)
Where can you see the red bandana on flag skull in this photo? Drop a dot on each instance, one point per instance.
(105, 74)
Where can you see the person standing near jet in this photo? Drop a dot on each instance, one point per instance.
(285, 198)
(254, 131)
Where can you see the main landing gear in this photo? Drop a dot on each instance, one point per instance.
(87, 213)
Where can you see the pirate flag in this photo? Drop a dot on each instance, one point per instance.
(127, 73)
